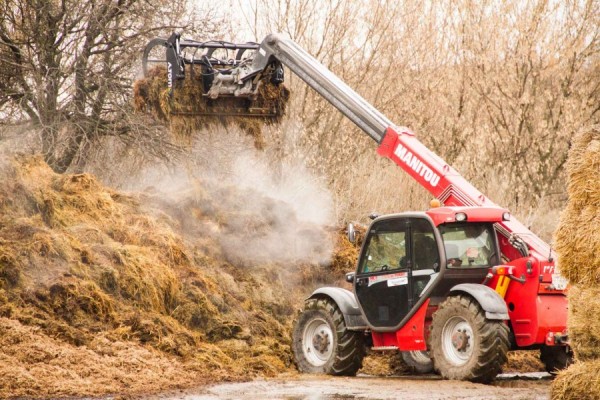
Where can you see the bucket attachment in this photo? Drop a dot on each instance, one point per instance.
(209, 79)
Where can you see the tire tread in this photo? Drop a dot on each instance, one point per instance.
(350, 348)
(493, 344)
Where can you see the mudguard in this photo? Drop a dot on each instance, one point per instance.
(491, 302)
(347, 304)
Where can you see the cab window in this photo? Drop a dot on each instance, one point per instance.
(385, 252)
(386, 248)
(469, 245)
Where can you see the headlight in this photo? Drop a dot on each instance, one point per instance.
(506, 216)
(460, 217)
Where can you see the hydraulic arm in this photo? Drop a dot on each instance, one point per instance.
(397, 143)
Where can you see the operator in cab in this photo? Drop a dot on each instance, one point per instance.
(468, 245)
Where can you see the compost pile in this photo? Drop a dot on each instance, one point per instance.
(578, 245)
(104, 292)
(187, 110)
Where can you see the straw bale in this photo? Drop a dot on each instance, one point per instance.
(577, 239)
(578, 244)
(581, 381)
(584, 327)
(583, 166)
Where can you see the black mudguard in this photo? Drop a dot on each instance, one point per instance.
(347, 304)
(491, 302)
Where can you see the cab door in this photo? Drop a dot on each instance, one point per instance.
(395, 265)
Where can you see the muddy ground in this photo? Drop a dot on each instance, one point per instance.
(312, 387)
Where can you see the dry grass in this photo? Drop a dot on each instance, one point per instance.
(346, 253)
(35, 364)
(384, 364)
(391, 363)
(523, 361)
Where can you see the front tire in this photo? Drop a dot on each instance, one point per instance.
(464, 345)
(322, 344)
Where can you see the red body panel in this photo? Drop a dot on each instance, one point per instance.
(410, 337)
(533, 312)
(521, 299)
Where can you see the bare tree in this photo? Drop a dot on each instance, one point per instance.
(67, 66)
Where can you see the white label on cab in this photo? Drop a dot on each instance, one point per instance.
(403, 280)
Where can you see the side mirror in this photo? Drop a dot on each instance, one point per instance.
(350, 277)
(351, 233)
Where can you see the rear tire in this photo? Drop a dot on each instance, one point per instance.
(419, 361)
(464, 345)
(321, 343)
(556, 358)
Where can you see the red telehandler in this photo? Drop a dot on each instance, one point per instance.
(453, 288)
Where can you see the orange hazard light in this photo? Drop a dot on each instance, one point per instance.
(502, 270)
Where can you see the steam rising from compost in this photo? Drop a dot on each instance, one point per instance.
(265, 212)
(281, 215)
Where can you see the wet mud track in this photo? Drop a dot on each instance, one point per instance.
(313, 387)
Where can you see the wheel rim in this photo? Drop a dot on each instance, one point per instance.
(457, 340)
(317, 342)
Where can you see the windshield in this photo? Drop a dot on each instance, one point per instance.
(469, 245)
(385, 252)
